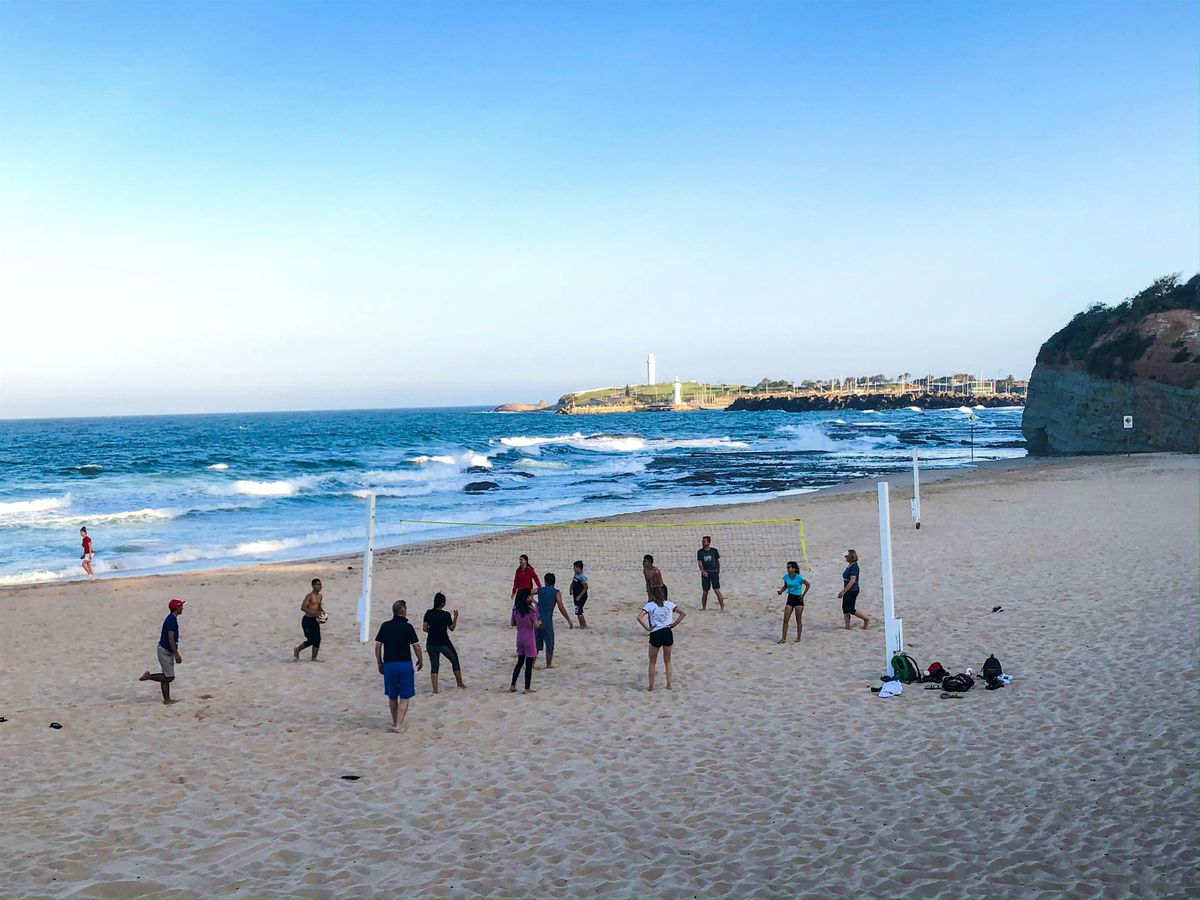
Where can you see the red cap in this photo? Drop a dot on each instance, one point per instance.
(175, 604)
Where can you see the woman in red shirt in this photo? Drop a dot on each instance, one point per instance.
(525, 577)
(87, 554)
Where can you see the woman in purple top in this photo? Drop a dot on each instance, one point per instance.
(525, 620)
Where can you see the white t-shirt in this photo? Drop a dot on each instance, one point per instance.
(660, 616)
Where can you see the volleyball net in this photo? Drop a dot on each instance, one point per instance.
(750, 551)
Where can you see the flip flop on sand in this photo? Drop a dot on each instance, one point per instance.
(946, 695)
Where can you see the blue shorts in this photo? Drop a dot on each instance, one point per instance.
(545, 638)
(398, 680)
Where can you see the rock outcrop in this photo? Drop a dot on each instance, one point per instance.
(540, 406)
(1140, 358)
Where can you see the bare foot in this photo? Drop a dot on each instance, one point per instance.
(435, 690)
(649, 689)
(513, 689)
(396, 729)
(796, 641)
(463, 686)
(530, 690)
(145, 676)
(170, 702)
(296, 655)
(866, 622)
(668, 685)
(318, 660)
(548, 666)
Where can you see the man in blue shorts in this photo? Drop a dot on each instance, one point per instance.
(394, 646)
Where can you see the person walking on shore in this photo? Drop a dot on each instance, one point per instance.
(167, 650)
(437, 625)
(849, 594)
(525, 577)
(310, 622)
(579, 592)
(659, 617)
(86, 559)
(547, 597)
(525, 620)
(395, 645)
(708, 559)
(797, 587)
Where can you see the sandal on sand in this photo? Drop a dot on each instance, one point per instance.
(946, 695)
(933, 687)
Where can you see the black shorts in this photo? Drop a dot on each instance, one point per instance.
(848, 601)
(795, 600)
(710, 581)
(580, 602)
(312, 630)
(663, 637)
(436, 652)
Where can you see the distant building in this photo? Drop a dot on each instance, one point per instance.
(650, 374)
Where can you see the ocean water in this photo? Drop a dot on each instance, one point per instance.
(169, 493)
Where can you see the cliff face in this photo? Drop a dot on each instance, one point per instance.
(1140, 358)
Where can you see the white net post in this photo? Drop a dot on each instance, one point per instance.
(893, 628)
(364, 600)
(916, 500)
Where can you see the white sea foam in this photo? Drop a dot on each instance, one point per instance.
(219, 467)
(809, 437)
(37, 575)
(839, 421)
(284, 488)
(90, 467)
(147, 513)
(41, 504)
(914, 409)
(966, 410)
(980, 406)
(444, 460)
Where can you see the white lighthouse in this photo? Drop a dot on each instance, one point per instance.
(678, 401)
(650, 379)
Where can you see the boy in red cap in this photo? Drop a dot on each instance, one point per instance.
(168, 651)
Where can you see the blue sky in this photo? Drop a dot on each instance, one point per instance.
(243, 206)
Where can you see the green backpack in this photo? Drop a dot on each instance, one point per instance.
(905, 668)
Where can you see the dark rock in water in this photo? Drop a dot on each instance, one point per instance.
(1140, 358)
(478, 487)
(524, 474)
(476, 470)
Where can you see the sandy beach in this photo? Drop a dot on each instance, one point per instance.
(768, 771)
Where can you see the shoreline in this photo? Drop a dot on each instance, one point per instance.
(896, 480)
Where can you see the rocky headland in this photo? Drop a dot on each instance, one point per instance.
(1140, 358)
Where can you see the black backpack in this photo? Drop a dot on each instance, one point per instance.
(991, 668)
(958, 683)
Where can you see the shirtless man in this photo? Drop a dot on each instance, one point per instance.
(314, 615)
(655, 589)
